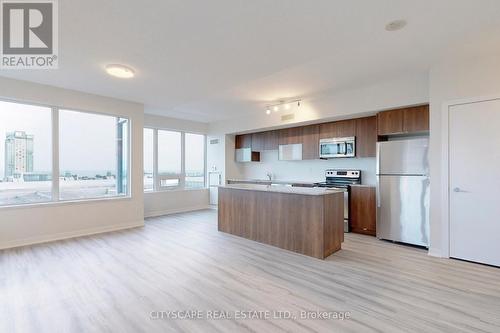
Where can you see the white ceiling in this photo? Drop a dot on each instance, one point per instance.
(214, 60)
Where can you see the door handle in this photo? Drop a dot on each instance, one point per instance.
(459, 190)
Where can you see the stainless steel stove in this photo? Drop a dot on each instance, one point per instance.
(342, 180)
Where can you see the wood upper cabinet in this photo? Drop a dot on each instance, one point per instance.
(289, 136)
(362, 213)
(337, 129)
(366, 137)
(271, 140)
(243, 141)
(310, 142)
(258, 141)
(403, 121)
(416, 119)
(390, 122)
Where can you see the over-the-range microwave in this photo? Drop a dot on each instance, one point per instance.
(337, 147)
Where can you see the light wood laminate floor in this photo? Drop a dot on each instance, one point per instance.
(112, 282)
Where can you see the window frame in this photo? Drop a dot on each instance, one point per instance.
(182, 176)
(55, 183)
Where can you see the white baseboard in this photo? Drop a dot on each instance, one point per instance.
(174, 211)
(436, 253)
(68, 234)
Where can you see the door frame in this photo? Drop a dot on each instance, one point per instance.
(445, 166)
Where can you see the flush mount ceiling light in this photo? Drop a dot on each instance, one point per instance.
(282, 105)
(120, 71)
(395, 25)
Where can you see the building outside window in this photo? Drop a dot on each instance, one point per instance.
(195, 161)
(179, 158)
(93, 155)
(25, 154)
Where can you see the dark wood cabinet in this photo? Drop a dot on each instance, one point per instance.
(258, 141)
(289, 136)
(366, 130)
(337, 129)
(416, 119)
(362, 212)
(243, 141)
(390, 122)
(366, 137)
(310, 142)
(403, 121)
(271, 140)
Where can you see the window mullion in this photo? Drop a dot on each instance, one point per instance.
(55, 154)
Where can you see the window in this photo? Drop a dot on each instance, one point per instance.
(93, 153)
(180, 159)
(169, 159)
(148, 148)
(25, 154)
(195, 160)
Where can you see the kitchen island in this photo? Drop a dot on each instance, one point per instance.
(309, 221)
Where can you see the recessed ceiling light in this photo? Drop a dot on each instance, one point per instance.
(120, 71)
(395, 25)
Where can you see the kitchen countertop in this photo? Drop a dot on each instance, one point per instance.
(282, 189)
(274, 181)
(283, 182)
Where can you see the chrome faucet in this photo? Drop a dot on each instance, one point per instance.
(269, 176)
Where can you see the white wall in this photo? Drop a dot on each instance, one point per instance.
(459, 79)
(27, 225)
(168, 202)
(309, 170)
(175, 124)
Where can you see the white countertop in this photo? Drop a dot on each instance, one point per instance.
(274, 181)
(283, 189)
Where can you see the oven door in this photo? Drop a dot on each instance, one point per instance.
(332, 148)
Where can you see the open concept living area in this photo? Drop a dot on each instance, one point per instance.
(250, 166)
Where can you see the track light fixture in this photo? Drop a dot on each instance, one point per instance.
(282, 105)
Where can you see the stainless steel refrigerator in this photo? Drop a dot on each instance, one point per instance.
(403, 191)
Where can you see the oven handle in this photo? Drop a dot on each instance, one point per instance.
(345, 148)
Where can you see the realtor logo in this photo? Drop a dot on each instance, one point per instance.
(29, 34)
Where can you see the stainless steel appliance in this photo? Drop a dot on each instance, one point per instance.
(341, 180)
(337, 147)
(403, 191)
(292, 152)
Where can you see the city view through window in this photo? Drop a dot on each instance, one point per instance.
(93, 155)
(169, 158)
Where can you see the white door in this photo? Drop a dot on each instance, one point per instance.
(474, 147)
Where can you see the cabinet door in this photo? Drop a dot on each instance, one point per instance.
(345, 128)
(366, 137)
(289, 136)
(363, 210)
(271, 140)
(258, 141)
(310, 142)
(337, 129)
(243, 141)
(416, 119)
(390, 122)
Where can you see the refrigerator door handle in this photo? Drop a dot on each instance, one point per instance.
(377, 194)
